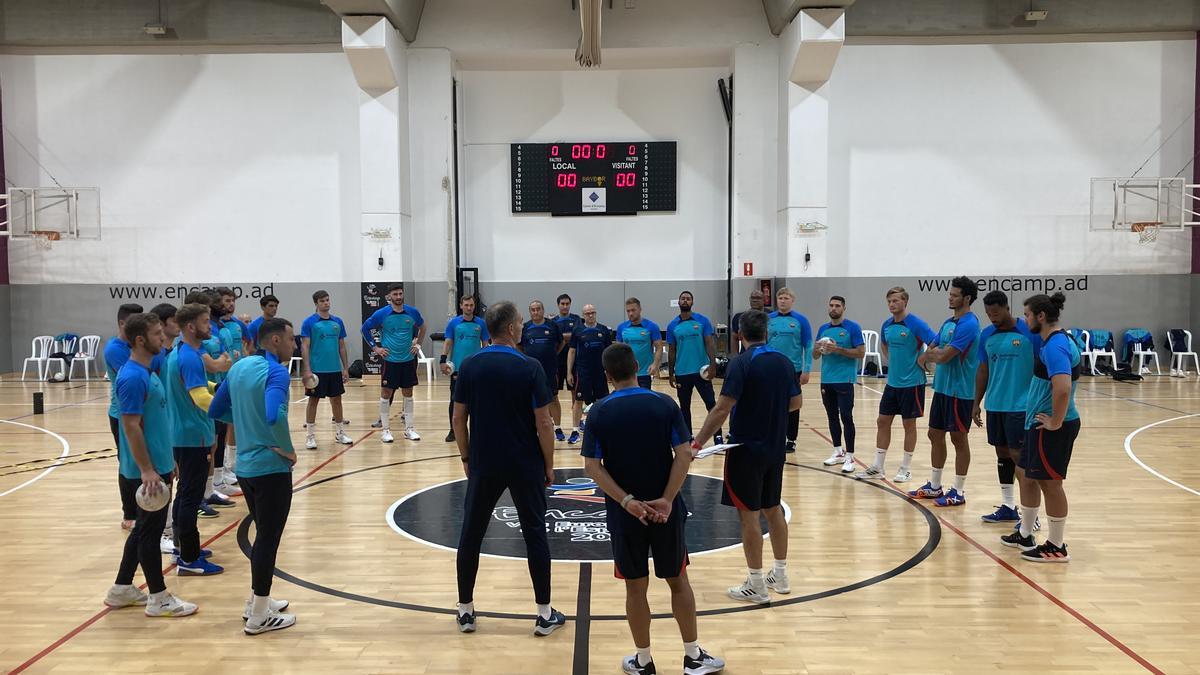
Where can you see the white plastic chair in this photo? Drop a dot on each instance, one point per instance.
(871, 345)
(427, 362)
(41, 357)
(294, 366)
(1141, 355)
(1179, 359)
(1097, 354)
(89, 345)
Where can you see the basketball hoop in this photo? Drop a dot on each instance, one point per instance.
(1147, 231)
(43, 238)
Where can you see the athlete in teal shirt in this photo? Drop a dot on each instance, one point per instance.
(1002, 383)
(645, 338)
(689, 349)
(466, 334)
(955, 351)
(839, 346)
(401, 331)
(790, 333)
(323, 341)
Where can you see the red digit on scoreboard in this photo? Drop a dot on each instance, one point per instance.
(566, 180)
(632, 150)
(554, 151)
(601, 151)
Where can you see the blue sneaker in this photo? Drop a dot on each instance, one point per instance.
(574, 438)
(951, 498)
(203, 567)
(543, 627)
(926, 491)
(218, 502)
(1003, 514)
(559, 436)
(206, 511)
(204, 553)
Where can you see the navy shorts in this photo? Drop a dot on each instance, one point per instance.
(591, 388)
(907, 402)
(633, 542)
(645, 381)
(329, 385)
(1006, 429)
(561, 373)
(948, 413)
(1047, 453)
(399, 375)
(752, 480)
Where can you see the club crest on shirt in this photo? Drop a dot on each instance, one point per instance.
(1016, 342)
(791, 324)
(903, 333)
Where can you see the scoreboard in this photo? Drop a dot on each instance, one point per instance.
(573, 179)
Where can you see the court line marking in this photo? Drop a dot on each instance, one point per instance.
(1018, 574)
(66, 450)
(104, 612)
(1137, 460)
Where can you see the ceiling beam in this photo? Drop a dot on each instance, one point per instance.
(404, 15)
(781, 12)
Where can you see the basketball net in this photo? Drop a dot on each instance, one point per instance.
(1147, 231)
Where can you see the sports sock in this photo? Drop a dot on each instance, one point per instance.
(756, 579)
(337, 428)
(385, 413)
(643, 656)
(1029, 516)
(208, 487)
(466, 608)
(781, 566)
(906, 462)
(850, 457)
(259, 606)
(230, 460)
(1057, 525)
(959, 482)
(692, 649)
(1006, 496)
(544, 610)
(408, 411)
(880, 458)
(837, 450)
(935, 478)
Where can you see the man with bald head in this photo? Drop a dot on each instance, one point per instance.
(757, 302)
(585, 367)
(542, 341)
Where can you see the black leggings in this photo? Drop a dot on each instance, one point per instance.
(141, 546)
(193, 476)
(528, 493)
(839, 408)
(128, 503)
(222, 429)
(793, 429)
(686, 384)
(453, 381)
(269, 500)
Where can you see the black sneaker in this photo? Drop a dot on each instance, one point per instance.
(718, 438)
(450, 436)
(1015, 540)
(466, 623)
(544, 627)
(206, 511)
(1047, 553)
(791, 447)
(707, 663)
(630, 667)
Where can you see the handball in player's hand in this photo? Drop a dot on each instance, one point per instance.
(706, 372)
(825, 345)
(310, 381)
(152, 496)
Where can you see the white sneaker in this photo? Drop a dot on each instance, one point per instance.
(835, 458)
(169, 605)
(341, 437)
(166, 545)
(848, 466)
(230, 476)
(902, 476)
(225, 490)
(872, 473)
(124, 596)
(411, 434)
(386, 436)
(749, 593)
(777, 580)
(273, 606)
(272, 621)
(310, 443)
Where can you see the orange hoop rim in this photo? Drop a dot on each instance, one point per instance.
(1144, 225)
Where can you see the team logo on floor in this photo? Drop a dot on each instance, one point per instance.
(575, 518)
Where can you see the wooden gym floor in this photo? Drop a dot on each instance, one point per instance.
(879, 584)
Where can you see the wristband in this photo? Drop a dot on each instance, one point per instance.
(443, 360)
(628, 498)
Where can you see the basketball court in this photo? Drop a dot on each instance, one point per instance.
(606, 150)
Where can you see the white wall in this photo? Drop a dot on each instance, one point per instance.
(204, 162)
(500, 108)
(976, 159)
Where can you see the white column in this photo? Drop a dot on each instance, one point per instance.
(808, 50)
(377, 56)
(756, 149)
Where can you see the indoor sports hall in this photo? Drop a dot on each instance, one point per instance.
(976, 216)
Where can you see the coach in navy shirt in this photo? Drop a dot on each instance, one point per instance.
(543, 340)
(760, 390)
(506, 439)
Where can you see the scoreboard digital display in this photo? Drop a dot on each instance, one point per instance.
(583, 179)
